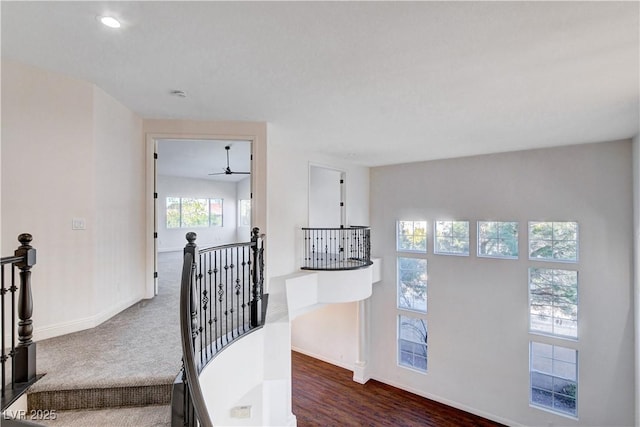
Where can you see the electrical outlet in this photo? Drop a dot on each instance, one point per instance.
(241, 411)
(78, 224)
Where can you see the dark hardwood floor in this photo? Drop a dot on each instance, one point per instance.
(326, 395)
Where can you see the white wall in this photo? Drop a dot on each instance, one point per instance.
(478, 308)
(60, 138)
(118, 279)
(288, 195)
(328, 333)
(173, 239)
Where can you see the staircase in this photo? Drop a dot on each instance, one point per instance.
(117, 374)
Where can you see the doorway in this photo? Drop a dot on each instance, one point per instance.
(202, 186)
(326, 197)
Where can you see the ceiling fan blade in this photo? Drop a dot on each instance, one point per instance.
(227, 170)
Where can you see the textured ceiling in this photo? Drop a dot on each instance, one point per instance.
(373, 82)
(199, 158)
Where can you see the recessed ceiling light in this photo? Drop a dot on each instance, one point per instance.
(109, 21)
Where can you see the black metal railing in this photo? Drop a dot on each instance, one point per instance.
(18, 359)
(337, 248)
(222, 299)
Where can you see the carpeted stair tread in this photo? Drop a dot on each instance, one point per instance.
(131, 359)
(148, 416)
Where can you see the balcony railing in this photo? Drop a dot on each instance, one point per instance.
(337, 248)
(222, 299)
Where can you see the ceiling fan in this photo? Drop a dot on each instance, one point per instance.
(227, 170)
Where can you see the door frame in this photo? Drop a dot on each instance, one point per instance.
(258, 190)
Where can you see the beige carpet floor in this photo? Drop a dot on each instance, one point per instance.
(140, 346)
(148, 416)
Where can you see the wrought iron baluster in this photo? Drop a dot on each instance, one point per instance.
(244, 289)
(226, 289)
(211, 296)
(3, 354)
(12, 353)
(203, 306)
(215, 297)
(198, 295)
(237, 290)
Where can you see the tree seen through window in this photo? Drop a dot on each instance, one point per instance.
(190, 212)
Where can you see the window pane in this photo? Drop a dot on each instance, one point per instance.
(173, 212)
(215, 206)
(412, 236)
(412, 342)
(245, 213)
(554, 385)
(451, 238)
(498, 239)
(195, 212)
(553, 301)
(412, 284)
(553, 241)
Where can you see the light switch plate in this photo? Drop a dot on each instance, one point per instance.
(78, 224)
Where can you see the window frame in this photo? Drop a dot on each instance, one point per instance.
(436, 251)
(553, 377)
(212, 215)
(413, 235)
(553, 242)
(400, 339)
(242, 205)
(399, 285)
(181, 224)
(498, 223)
(552, 307)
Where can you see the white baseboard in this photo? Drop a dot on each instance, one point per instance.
(361, 372)
(63, 328)
(338, 363)
(448, 402)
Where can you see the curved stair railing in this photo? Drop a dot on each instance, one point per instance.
(344, 248)
(221, 300)
(18, 360)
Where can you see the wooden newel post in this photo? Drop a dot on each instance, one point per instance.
(25, 357)
(256, 278)
(192, 248)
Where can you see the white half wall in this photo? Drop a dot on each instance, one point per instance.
(478, 307)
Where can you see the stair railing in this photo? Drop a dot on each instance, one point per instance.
(16, 299)
(221, 300)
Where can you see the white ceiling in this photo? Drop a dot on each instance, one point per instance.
(374, 82)
(199, 158)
